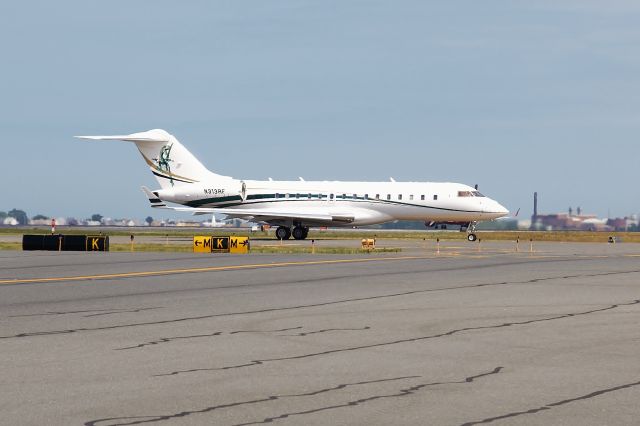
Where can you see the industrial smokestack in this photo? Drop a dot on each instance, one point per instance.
(534, 218)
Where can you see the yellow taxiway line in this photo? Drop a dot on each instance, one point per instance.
(160, 272)
(207, 269)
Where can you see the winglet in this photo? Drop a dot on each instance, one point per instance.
(155, 135)
(153, 198)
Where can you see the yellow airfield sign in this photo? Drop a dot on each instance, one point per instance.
(239, 245)
(201, 244)
(220, 244)
(208, 244)
(99, 243)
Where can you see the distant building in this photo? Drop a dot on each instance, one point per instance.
(10, 221)
(583, 222)
(566, 221)
(579, 221)
(623, 224)
(189, 224)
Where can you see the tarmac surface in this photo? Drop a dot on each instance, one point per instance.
(477, 334)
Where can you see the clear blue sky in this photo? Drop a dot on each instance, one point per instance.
(517, 96)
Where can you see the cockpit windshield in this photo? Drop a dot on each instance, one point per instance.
(469, 194)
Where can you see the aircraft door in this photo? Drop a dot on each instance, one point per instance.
(243, 191)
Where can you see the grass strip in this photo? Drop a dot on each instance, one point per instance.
(320, 250)
(187, 234)
(183, 248)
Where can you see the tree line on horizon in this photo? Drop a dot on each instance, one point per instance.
(23, 219)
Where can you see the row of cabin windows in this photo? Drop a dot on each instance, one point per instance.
(309, 196)
(422, 197)
(366, 196)
(344, 196)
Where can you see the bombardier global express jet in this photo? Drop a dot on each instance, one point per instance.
(295, 206)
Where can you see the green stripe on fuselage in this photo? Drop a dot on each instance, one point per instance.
(203, 201)
(236, 200)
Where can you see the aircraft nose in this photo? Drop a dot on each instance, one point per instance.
(502, 209)
(496, 209)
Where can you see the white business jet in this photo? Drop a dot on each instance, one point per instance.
(214, 223)
(295, 206)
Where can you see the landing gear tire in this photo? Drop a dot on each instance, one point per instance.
(472, 237)
(283, 233)
(300, 233)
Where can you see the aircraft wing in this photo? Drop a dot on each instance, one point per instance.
(261, 215)
(264, 215)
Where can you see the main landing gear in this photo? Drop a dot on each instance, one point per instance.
(299, 232)
(283, 233)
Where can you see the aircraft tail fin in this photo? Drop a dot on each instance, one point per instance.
(168, 159)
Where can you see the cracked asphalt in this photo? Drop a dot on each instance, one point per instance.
(473, 335)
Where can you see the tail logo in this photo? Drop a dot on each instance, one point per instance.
(163, 160)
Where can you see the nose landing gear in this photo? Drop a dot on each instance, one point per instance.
(471, 229)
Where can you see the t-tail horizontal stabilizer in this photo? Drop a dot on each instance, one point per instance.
(170, 162)
(155, 201)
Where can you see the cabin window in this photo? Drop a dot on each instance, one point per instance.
(399, 196)
(297, 195)
(411, 197)
(309, 196)
(435, 198)
(422, 197)
(344, 196)
(388, 196)
(377, 196)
